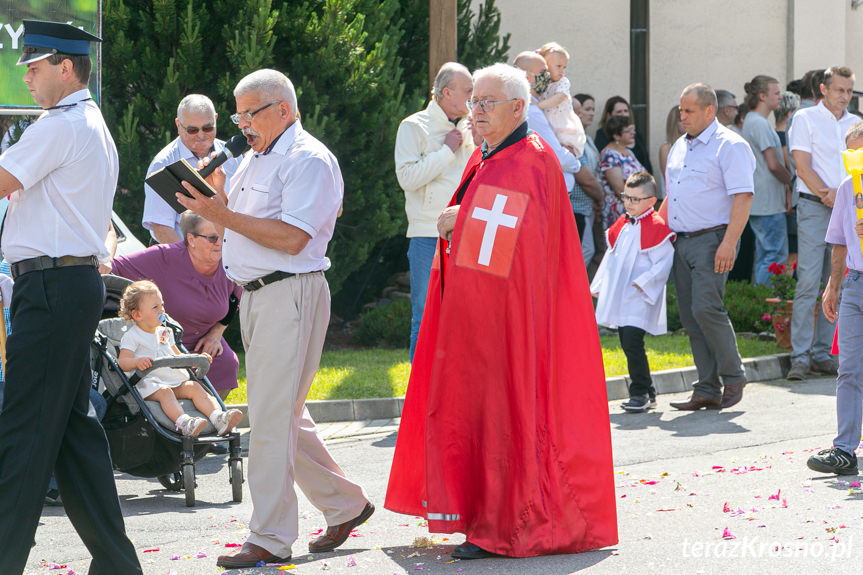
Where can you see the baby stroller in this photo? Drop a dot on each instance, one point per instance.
(143, 439)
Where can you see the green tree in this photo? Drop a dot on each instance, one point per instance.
(159, 51)
(359, 67)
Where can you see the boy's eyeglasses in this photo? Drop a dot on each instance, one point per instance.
(633, 199)
(211, 239)
(192, 130)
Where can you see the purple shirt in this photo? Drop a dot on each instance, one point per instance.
(840, 231)
(194, 300)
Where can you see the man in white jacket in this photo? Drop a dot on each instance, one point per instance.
(432, 149)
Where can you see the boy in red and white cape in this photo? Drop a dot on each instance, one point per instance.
(630, 283)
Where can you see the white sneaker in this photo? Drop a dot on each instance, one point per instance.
(226, 421)
(193, 426)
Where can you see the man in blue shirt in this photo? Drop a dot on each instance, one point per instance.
(710, 190)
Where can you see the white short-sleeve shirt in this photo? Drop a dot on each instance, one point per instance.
(67, 164)
(153, 345)
(817, 132)
(157, 210)
(298, 182)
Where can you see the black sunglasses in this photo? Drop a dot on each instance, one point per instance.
(192, 130)
(211, 239)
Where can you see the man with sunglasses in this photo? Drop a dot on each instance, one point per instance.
(196, 139)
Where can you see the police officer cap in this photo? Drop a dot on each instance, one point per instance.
(42, 39)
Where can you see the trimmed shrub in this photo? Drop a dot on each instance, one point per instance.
(745, 304)
(388, 325)
(743, 301)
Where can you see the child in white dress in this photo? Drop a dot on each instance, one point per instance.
(149, 339)
(556, 101)
(630, 283)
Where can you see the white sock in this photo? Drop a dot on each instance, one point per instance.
(182, 419)
(214, 417)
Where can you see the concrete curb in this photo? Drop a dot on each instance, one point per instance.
(762, 368)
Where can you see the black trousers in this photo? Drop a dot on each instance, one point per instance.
(632, 342)
(579, 223)
(45, 427)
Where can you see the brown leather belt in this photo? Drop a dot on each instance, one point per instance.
(700, 232)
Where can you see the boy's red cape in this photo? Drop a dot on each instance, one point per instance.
(654, 231)
(505, 433)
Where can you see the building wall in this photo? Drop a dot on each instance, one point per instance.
(722, 43)
(691, 42)
(854, 42)
(596, 37)
(819, 34)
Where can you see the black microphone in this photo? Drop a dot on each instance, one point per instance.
(234, 147)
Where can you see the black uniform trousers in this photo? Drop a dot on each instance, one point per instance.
(45, 426)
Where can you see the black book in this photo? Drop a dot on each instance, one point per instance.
(166, 182)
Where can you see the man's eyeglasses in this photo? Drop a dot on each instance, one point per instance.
(211, 239)
(247, 116)
(633, 199)
(192, 130)
(487, 105)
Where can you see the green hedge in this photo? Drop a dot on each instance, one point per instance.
(388, 325)
(743, 301)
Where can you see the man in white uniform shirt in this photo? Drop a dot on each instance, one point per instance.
(281, 212)
(196, 139)
(710, 189)
(62, 175)
(816, 140)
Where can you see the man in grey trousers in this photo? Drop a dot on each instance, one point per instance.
(710, 189)
(816, 141)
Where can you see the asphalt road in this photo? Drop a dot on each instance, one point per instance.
(683, 481)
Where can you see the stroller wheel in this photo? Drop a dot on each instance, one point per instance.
(171, 482)
(189, 484)
(236, 476)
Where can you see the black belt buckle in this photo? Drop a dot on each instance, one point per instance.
(266, 280)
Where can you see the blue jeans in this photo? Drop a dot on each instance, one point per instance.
(849, 384)
(420, 257)
(771, 243)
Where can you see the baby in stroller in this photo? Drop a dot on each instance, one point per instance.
(147, 339)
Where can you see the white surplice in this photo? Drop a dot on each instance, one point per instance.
(625, 264)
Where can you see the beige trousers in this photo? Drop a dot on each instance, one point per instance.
(283, 326)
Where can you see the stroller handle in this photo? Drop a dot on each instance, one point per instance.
(195, 361)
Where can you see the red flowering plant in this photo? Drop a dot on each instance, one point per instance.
(783, 283)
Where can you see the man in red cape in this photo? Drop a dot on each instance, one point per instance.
(505, 434)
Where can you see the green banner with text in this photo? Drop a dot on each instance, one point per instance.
(84, 14)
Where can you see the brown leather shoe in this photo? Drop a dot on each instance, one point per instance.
(338, 534)
(694, 403)
(248, 555)
(732, 394)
